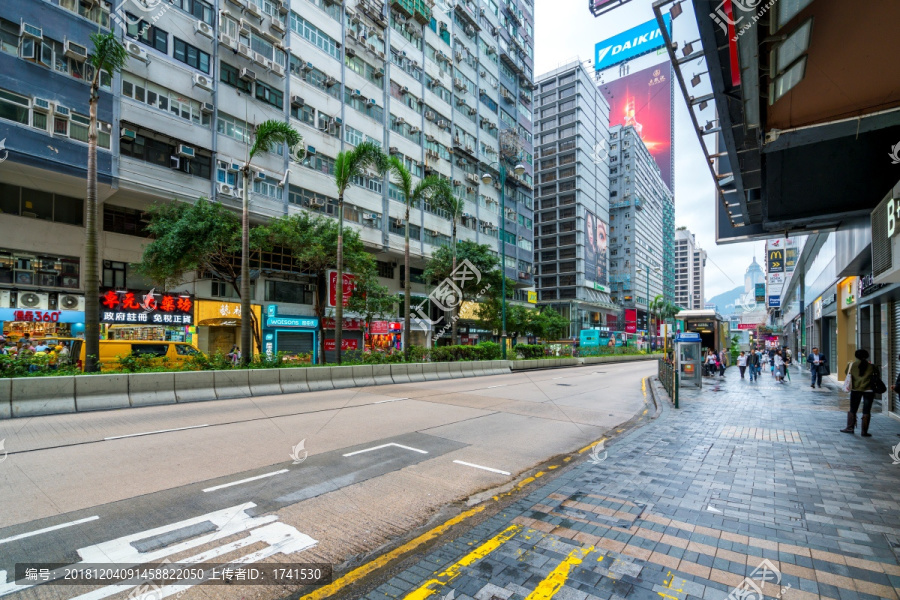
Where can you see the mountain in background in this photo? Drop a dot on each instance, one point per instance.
(725, 301)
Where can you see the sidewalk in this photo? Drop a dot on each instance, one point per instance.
(691, 505)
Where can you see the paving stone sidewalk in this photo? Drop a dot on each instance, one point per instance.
(747, 490)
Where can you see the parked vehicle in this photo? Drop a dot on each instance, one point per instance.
(111, 350)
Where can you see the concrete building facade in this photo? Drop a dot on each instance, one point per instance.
(572, 203)
(438, 88)
(690, 265)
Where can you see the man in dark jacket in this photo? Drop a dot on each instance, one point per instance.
(754, 363)
(816, 360)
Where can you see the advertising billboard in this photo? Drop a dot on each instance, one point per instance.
(595, 249)
(599, 7)
(760, 292)
(637, 41)
(775, 260)
(643, 100)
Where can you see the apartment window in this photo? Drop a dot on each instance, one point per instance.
(97, 12)
(162, 154)
(269, 95)
(198, 8)
(14, 107)
(315, 36)
(44, 271)
(385, 269)
(271, 190)
(146, 33)
(114, 274)
(232, 76)
(191, 55)
(163, 99)
(233, 128)
(290, 292)
(15, 200)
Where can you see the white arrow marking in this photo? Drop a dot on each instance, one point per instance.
(385, 446)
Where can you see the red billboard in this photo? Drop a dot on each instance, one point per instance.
(349, 284)
(644, 101)
(630, 320)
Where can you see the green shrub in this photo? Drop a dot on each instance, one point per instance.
(528, 351)
(488, 351)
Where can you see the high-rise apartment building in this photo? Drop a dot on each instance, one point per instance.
(572, 212)
(690, 263)
(448, 89)
(641, 211)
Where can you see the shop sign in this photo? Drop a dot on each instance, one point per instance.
(847, 292)
(152, 308)
(41, 316)
(300, 322)
(532, 297)
(829, 300)
(595, 286)
(349, 284)
(385, 327)
(746, 326)
(817, 308)
(345, 345)
(760, 292)
(775, 260)
(868, 286)
(349, 324)
(774, 301)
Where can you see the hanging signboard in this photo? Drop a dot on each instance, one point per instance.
(151, 308)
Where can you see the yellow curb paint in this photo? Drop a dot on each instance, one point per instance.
(360, 572)
(553, 582)
(453, 571)
(589, 446)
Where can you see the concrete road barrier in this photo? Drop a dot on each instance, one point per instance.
(443, 370)
(341, 377)
(415, 372)
(33, 396)
(101, 392)
(501, 367)
(362, 375)
(232, 384)
(293, 380)
(400, 373)
(265, 382)
(5, 398)
(481, 367)
(319, 378)
(381, 374)
(148, 389)
(429, 371)
(194, 386)
(455, 369)
(466, 368)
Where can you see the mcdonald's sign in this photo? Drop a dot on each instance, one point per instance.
(775, 261)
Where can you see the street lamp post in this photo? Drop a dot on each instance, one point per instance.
(487, 179)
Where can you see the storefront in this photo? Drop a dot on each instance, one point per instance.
(383, 336)
(41, 323)
(351, 337)
(295, 336)
(152, 315)
(218, 325)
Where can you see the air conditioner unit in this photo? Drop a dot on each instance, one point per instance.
(7, 299)
(379, 73)
(41, 105)
(330, 81)
(76, 51)
(137, 51)
(253, 9)
(350, 52)
(128, 134)
(369, 216)
(470, 30)
(185, 151)
(226, 40)
(457, 182)
(394, 150)
(37, 300)
(400, 121)
(204, 29)
(297, 101)
(277, 26)
(356, 94)
(414, 129)
(404, 90)
(208, 107)
(372, 102)
(225, 189)
(317, 202)
(443, 123)
(261, 59)
(430, 115)
(248, 75)
(70, 302)
(245, 51)
(61, 111)
(277, 69)
(28, 30)
(259, 175)
(307, 67)
(203, 82)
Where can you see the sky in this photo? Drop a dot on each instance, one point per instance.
(566, 30)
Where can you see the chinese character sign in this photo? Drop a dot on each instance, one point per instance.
(150, 308)
(349, 285)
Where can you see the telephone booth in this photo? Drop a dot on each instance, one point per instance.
(688, 359)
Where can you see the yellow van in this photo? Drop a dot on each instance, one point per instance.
(110, 351)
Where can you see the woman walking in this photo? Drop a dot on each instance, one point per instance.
(861, 373)
(742, 363)
(778, 367)
(711, 363)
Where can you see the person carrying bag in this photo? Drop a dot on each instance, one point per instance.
(864, 381)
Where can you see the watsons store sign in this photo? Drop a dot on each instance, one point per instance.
(635, 42)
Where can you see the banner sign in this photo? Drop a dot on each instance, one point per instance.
(41, 316)
(152, 308)
(760, 292)
(774, 301)
(330, 345)
(349, 284)
(775, 260)
(637, 41)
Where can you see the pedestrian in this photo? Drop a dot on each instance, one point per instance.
(722, 362)
(709, 363)
(742, 363)
(753, 363)
(234, 355)
(896, 387)
(861, 373)
(25, 339)
(778, 367)
(817, 366)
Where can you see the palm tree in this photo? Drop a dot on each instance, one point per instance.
(267, 135)
(412, 195)
(454, 205)
(109, 56)
(349, 165)
(656, 307)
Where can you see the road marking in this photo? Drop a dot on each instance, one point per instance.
(360, 572)
(554, 582)
(263, 476)
(459, 462)
(557, 378)
(494, 386)
(431, 586)
(589, 446)
(385, 446)
(119, 437)
(391, 400)
(46, 529)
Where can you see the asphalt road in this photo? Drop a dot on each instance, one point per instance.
(227, 480)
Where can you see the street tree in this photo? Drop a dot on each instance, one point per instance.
(108, 57)
(267, 135)
(190, 239)
(445, 199)
(413, 195)
(349, 165)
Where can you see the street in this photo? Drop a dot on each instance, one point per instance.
(134, 486)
